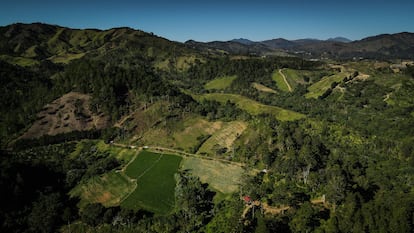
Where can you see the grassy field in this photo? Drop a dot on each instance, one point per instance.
(222, 177)
(253, 107)
(108, 189)
(194, 127)
(277, 77)
(123, 154)
(224, 137)
(21, 61)
(317, 89)
(220, 83)
(263, 88)
(294, 77)
(66, 58)
(155, 182)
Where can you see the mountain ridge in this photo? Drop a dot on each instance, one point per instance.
(383, 46)
(41, 41)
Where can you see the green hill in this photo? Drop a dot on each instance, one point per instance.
(120, 130)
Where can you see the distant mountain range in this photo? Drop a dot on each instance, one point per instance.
(385, 46)
(42, 41)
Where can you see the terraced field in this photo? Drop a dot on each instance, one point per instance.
(253, 107)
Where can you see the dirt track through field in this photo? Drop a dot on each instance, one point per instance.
(284, 79)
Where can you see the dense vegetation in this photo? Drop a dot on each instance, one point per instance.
(339, 161)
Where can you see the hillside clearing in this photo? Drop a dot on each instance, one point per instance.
(155, 182)
(285, 80)
(222, 177)
(281, 81)
(68, 113)
(220, 83)
(253, 107)
(108, 189)
(319, 88)
(223, 138)
(194, 129)
(263, 88)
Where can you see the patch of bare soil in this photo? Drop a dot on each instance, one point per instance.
(68, 113)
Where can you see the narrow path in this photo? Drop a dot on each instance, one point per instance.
(387, 97)
(164, 150)
(284, 78)
(183, 153)
(273, 210)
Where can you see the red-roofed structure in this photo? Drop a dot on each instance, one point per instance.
(247, 199)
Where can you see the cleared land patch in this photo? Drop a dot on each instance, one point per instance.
(21, 61)
(155, 182)
(319, 88)
(280, 81)
(66, 58)
(223, 138)
(253, 107)
(68, 113)
(222, 177)
(108, 189)
(220, 83)
(294, 77)
(263, 88)
(195, 128)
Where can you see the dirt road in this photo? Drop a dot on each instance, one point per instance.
(284, 79)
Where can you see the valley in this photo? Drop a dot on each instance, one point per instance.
(121, 130)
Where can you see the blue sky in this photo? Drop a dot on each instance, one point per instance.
(208, 20)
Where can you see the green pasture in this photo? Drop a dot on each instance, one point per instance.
(263, 88)
(280, 83)
(222, 177)
(254, 107)
(155, 182)
(220, 83)
(317, 89)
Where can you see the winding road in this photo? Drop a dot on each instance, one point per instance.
(284, 79)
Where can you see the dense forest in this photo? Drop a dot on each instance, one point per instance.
(344, 162)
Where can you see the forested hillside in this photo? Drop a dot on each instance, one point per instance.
(124, 131)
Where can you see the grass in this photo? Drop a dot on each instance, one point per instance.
(21, 61)
(108, 189)
(222, 177)
(66, 58)
(294, 77)
(183, 134)
(220, 83)
(155, 182)
(193, 128)
(122, 154)
(141, 164)
(223, 137)
(280, 82)
(263, 88)
(317, 89)
(253, 107)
